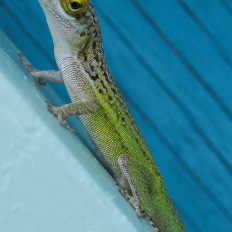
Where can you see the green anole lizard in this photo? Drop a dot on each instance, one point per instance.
(97, 101)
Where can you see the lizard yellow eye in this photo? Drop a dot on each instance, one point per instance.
(75, 7)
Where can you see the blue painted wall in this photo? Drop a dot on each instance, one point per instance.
(173, 63)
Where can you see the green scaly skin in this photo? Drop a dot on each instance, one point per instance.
(104, 114)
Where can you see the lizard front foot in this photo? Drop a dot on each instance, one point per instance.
(30, 69)
(60, 114)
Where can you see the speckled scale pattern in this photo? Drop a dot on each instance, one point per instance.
(109, 97)
(114, 131)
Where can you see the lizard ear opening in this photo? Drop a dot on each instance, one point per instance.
(74, 7)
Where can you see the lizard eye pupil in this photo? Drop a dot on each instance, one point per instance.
(75, 5)
(73, 8)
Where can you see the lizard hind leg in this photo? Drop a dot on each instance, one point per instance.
(141, 182)
(125, 189)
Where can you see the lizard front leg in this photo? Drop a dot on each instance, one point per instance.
(49, 75)
(72, 109)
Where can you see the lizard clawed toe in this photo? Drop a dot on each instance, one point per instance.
(49, 106)
(63, 122)
(57, 112)
(27, 66)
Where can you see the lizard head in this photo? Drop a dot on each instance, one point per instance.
(71, 22)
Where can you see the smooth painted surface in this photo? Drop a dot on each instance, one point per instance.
(172, 61)
(49, 181)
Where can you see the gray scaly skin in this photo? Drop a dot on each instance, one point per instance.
(96, 100)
